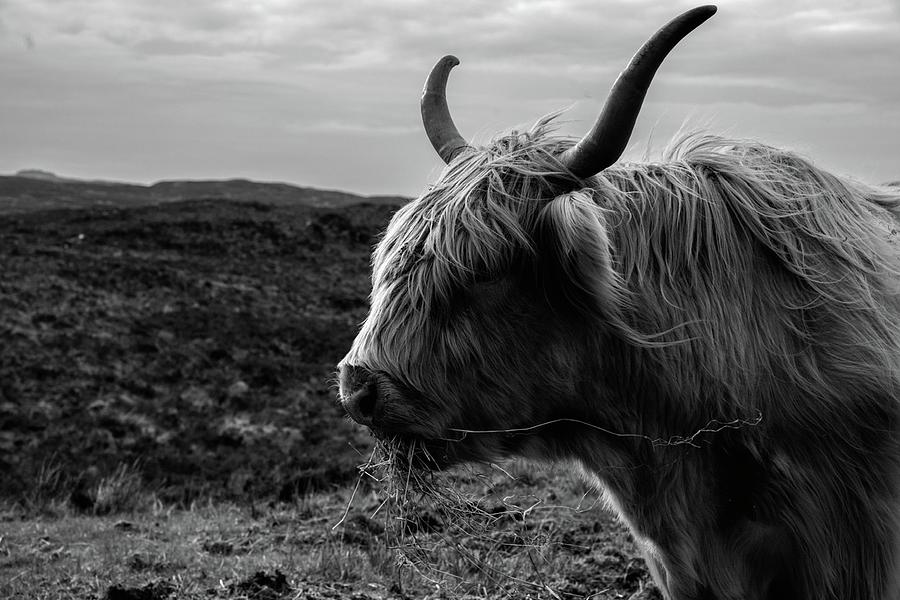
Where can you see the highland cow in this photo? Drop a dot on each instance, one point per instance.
(713, 339)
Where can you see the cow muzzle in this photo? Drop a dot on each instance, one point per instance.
(387, 407)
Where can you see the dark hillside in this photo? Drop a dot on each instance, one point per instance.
(192, 339)
(31, 191)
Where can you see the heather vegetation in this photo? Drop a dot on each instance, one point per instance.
(168, 425)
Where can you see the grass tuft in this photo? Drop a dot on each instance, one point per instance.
(121, 492)
(47, 493)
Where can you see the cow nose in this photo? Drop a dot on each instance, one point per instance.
(361, 402)
(359, 393)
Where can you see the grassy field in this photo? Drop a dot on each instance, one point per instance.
(168, 426)
(322, 546)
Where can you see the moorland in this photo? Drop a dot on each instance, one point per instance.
(168, 422)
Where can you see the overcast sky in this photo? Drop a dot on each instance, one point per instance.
(324, 93)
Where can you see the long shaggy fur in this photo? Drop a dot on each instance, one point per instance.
(729, 282)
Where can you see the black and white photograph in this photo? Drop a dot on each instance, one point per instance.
(416, 300)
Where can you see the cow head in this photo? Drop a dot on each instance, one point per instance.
(494, 295)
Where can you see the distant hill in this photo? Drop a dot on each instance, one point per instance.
(32, 190)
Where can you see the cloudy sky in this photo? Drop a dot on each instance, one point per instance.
(325, 93)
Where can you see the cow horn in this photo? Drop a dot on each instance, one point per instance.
(605, 142)
(436, 115)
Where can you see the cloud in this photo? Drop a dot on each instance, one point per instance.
(350, 127)
(247, 73)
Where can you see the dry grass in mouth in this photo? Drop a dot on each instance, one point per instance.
(456, 529)
(471, 530)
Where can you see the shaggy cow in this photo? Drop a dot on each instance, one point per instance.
(713, 339)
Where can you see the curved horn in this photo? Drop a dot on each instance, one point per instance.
(605, 142)
(436, 116)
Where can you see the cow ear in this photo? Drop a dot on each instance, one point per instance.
(575, 262)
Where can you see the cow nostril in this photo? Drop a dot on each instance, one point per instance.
(362, 403)
(367, 400)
